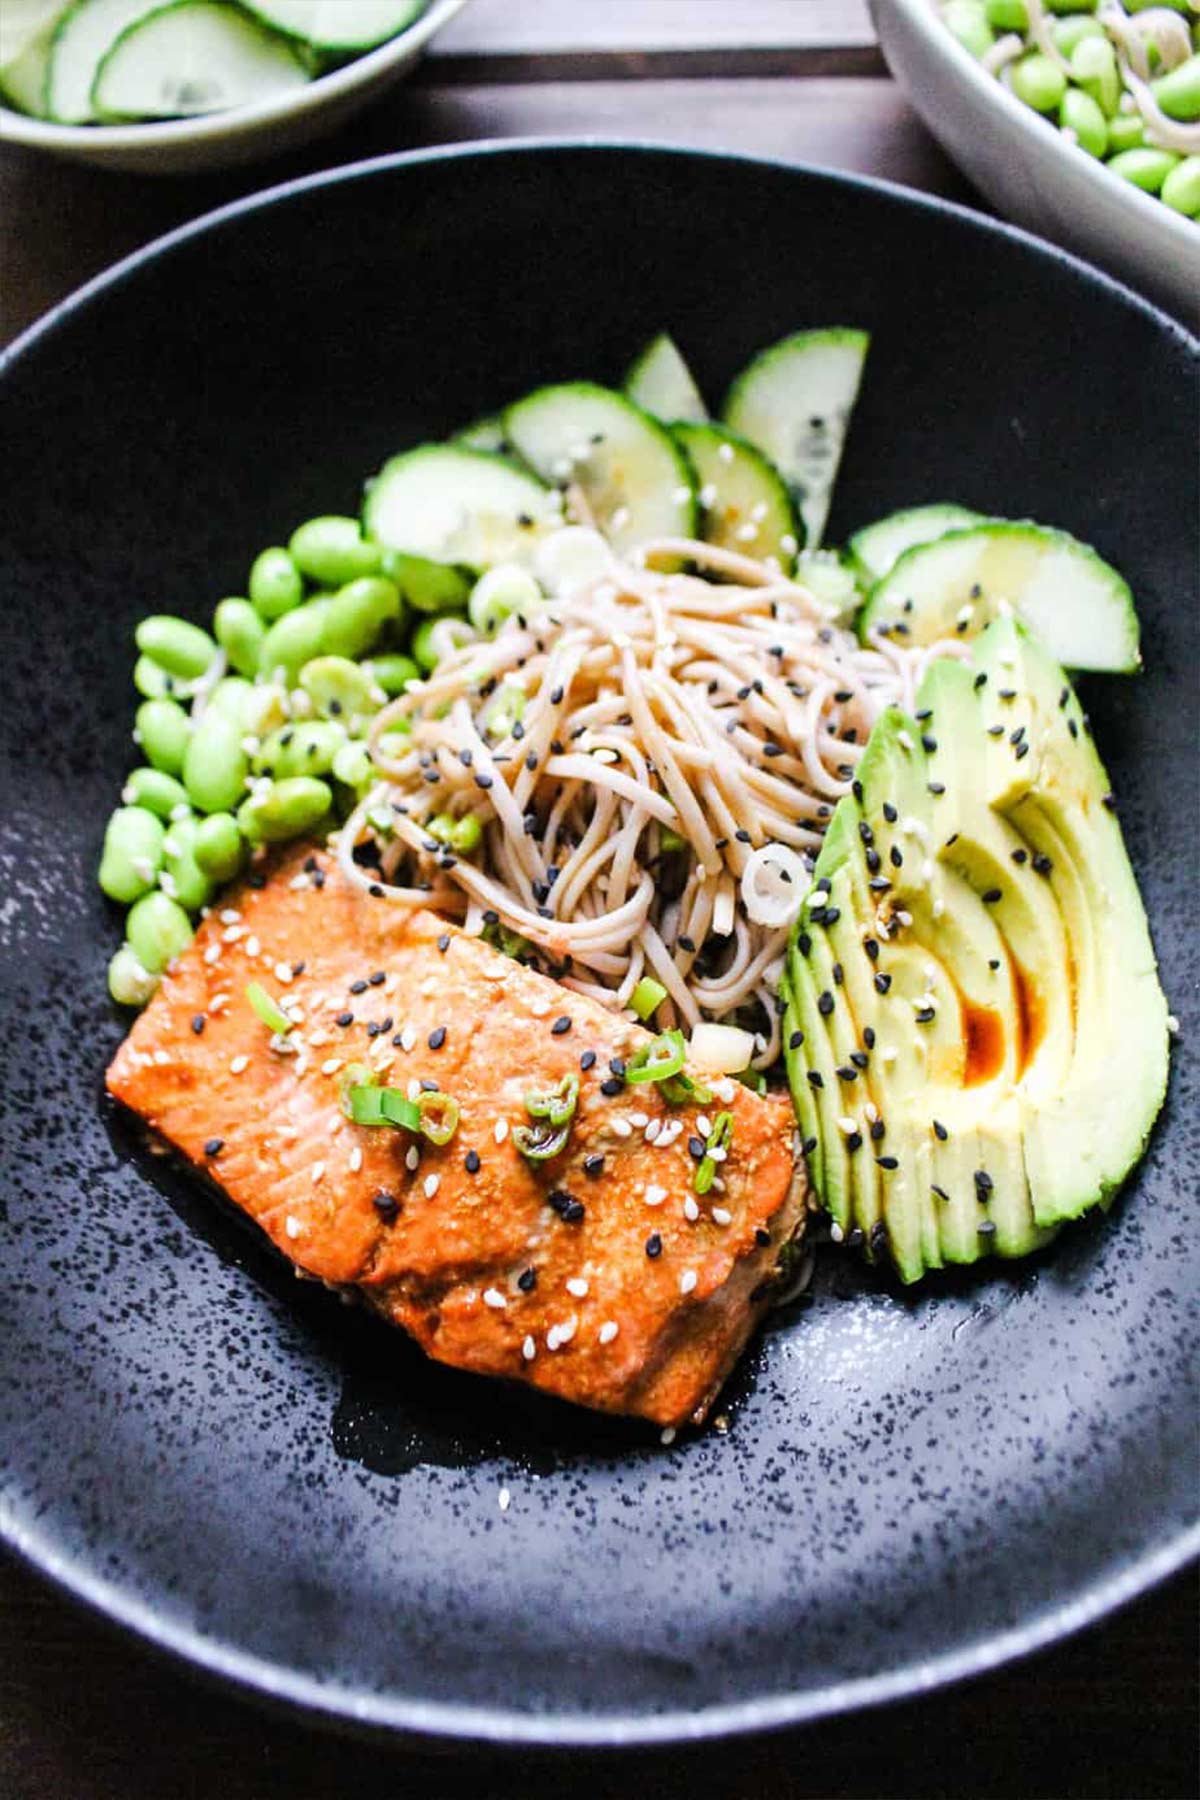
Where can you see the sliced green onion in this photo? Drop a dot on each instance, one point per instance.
(670, 840)
(647, 997)
(663, 1056)
(558, 1106)
(509, 943)
(365, 1105)
(541, 1141)
(719, 1138)
(271, 1014)
(679, 1089)
(354, 1075)
(437, 1116)
(506, 710)
(398, 1109)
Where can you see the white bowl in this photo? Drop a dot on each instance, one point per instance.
(1030, 171)
(217, 140)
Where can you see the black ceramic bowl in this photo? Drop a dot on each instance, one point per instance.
(914, 1485)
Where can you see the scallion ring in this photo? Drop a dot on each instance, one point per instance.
(661, 1057)
(437, 1116)
(647, 997)
(538, 1143)
(558, 1106)
(719, 1138)
(268, 1010)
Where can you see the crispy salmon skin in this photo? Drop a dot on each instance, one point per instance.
(600, 1276)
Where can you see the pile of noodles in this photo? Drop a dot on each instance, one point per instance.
(652, 759)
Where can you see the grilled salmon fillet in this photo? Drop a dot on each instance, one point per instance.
(600, 1276)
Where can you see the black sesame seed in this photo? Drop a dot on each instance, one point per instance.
(936, 787)
(896, 857)
(825, 1003)
(839, 974)
(983, 1182)
(1022, 750)
(686, 943)
(1073, 728)
(928, 742)
(214, 1146)
(854, 1141)
(815, 1078)
(1020, 856)
(859, 1058)
(378, 978)
(871, 946)
(986, 1228)
(593, 1165)
(697, 1148)
(882, 983)
(344, 1019)
(995, 731)
(762, 1236)
(358, 987)
(561, 1026)
(1110, 801)
(386, 1205)
(795, 1041)
(198, 1023)
(654, 1245)
(888, 1162)
(527, 1280)
(375, 891)
(874, 861)
(471, 1162)
(926, 1016)
(611, 1085)
(993, 963)
(990, 896)
(878, 1131)
(1042, 864)
(483, 781)
(803, 943)
(890, 813)
(879, 1235)
(437, 1037)
(443, 942)
(809, 1145)
(939, 1131)
(588, 1060)
(845, 1073)
(617, 1065)
(939, 1191)
(743, 837)
(428, 1086)
(980, 679)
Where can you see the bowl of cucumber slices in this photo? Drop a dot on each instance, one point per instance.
(175, 86)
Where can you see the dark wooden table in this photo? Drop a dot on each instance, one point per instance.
(88, 1715)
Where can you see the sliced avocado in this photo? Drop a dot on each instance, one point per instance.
(997, 980)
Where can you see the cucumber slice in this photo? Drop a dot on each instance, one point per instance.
(876, 547)
(1075, 603)
(486, 433)
(21, 22)
(636, 479)
(794, 402)
(450, 504)
(744, 501)
(192, 57)
(824, 574)
(338, 26)
(661, 383)
(86, 33)
(27, 29)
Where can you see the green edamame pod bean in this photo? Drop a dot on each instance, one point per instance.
(266, 708)
(182, 877)
(358, 613)
(275, 584)
(216, 766)
(163, 729)
(1181, 189)
(154, 682)
(1178, 93)
(333, 550)
(500, 591)
(217, 846)
(337, 687)
(428, 587)
(1039, 82)
(132, 854)
(1068, 34)
(294, 640)
(286, 809)
(232, 697)
(157, 929)
(157, 791)
(1126, 131)
(967, 21)
(1094, 69)
(1080, 115)
(394, 672)
(1007, 15)
(1146, 169)
(305, 749)
(352, 766)
(128, 982)
(1071, 6)
(459, 834)
(240, 632)
(425, 649)
(1179, 6)
(175, 645)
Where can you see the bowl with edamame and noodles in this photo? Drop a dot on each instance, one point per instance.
(1078, 118)
(170, 86)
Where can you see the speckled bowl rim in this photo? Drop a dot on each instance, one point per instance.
(376, 1715)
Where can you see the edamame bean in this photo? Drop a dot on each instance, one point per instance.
(430, 642)
(500, 592)
(306, 749)
(333, 550)
(1068, 34)
(275, 583)
(459, 834)
(163, 729)
(1181, 189)
(240, 633)
(128, 983)
(215, 766)
(967, 21)
(175, 645)
(132, 854)
(1039, 82)
(286, 809)
(1007, 15)
(294, 640)
(1126, 131)
(217, 846)
(154, 682)
(1146, 169)
(232, 696)
(157, 791)
(1080, 115)
(1178, 93)
(357, 615)
(182, 877)
(337, 687)
(157, 929)
(1179, 6)
(1071, 6)
(266, 708)
(352, 766)
(1094, 68)
(428, 587)
(394, 672)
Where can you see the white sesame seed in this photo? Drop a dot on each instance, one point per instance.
(567, 1331)
(408, 1038)
(608, 1331)
(412, 1159)
(331, 1065)
(654, 1195)
(889, 1054)
(717, 1154)
(238, 1064)
(578, 1286)
(432, 1184)
(652, 1130)
(504, 1499)
(529, 1349)
(621, 1127)
(759, 512)
(292, 1226)
(691, 1211)
(229, 915)
(836, 1233)
(356, 1159)
(704, 1125)
(253, 947)
(667, 1435)
(619, 519)
(747, 533)
(317, 1171)
(232, 933)
(283, 972)
(681, 495)
(904, 741)
(687, 1281)
(500, 1130)
(725, 452)
(1172, 1025)
(212, 954)
(721, 1216)
(414, 1089)
(708, 494)
(846, 1125)
(493, 1297)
